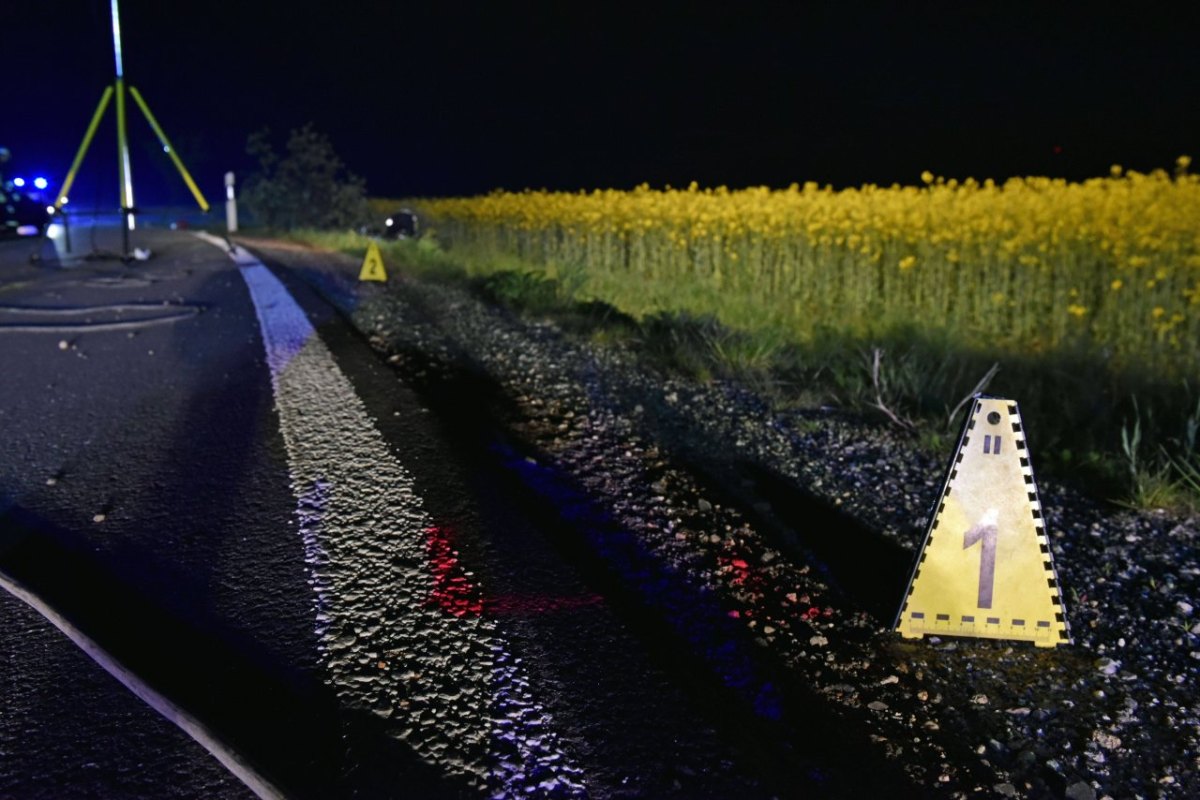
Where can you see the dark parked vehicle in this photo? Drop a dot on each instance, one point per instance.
(23, 211)
(20, 215)
(402, 224)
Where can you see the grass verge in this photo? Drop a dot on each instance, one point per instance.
(1126, 435)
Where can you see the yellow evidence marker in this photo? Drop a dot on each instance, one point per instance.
(372, 266)
(985, 568)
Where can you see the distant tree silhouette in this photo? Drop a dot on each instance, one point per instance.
(307, 187)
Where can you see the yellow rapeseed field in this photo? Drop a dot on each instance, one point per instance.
(1030, 264)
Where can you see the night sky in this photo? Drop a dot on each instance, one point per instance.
(442, 98)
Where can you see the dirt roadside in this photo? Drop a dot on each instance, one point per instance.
(803, 524)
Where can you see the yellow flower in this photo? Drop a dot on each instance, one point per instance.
(1158, 312)
(1063, 239)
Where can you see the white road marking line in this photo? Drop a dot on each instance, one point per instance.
(167, 709)
(446, 684)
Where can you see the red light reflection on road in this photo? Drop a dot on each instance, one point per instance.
(522, 606)
(454, 593)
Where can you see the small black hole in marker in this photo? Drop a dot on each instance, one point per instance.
(994, 417)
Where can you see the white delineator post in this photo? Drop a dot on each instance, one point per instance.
(230, 204)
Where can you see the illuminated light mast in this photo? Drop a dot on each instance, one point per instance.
(123, 171)
(123, 168)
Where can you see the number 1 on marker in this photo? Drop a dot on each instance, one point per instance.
(985, 533)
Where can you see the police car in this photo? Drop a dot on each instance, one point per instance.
(23, 206)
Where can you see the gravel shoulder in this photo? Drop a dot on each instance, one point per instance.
(802, 524)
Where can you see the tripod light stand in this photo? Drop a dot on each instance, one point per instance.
(123, 172)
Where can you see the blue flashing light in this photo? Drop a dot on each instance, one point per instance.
(18, 182)
(41, 183)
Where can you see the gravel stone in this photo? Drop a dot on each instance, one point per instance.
(1080, 791)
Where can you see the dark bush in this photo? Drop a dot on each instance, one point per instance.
(308, 187)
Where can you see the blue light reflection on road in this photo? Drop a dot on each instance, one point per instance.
(692, 611)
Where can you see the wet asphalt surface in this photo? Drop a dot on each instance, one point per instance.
(146, 498)
(102, 505)
(531, 572)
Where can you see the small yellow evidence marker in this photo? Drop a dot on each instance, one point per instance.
(372, 266)
(985, 568)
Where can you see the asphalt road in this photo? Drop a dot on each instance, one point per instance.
(136, 484)
(308, 582)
